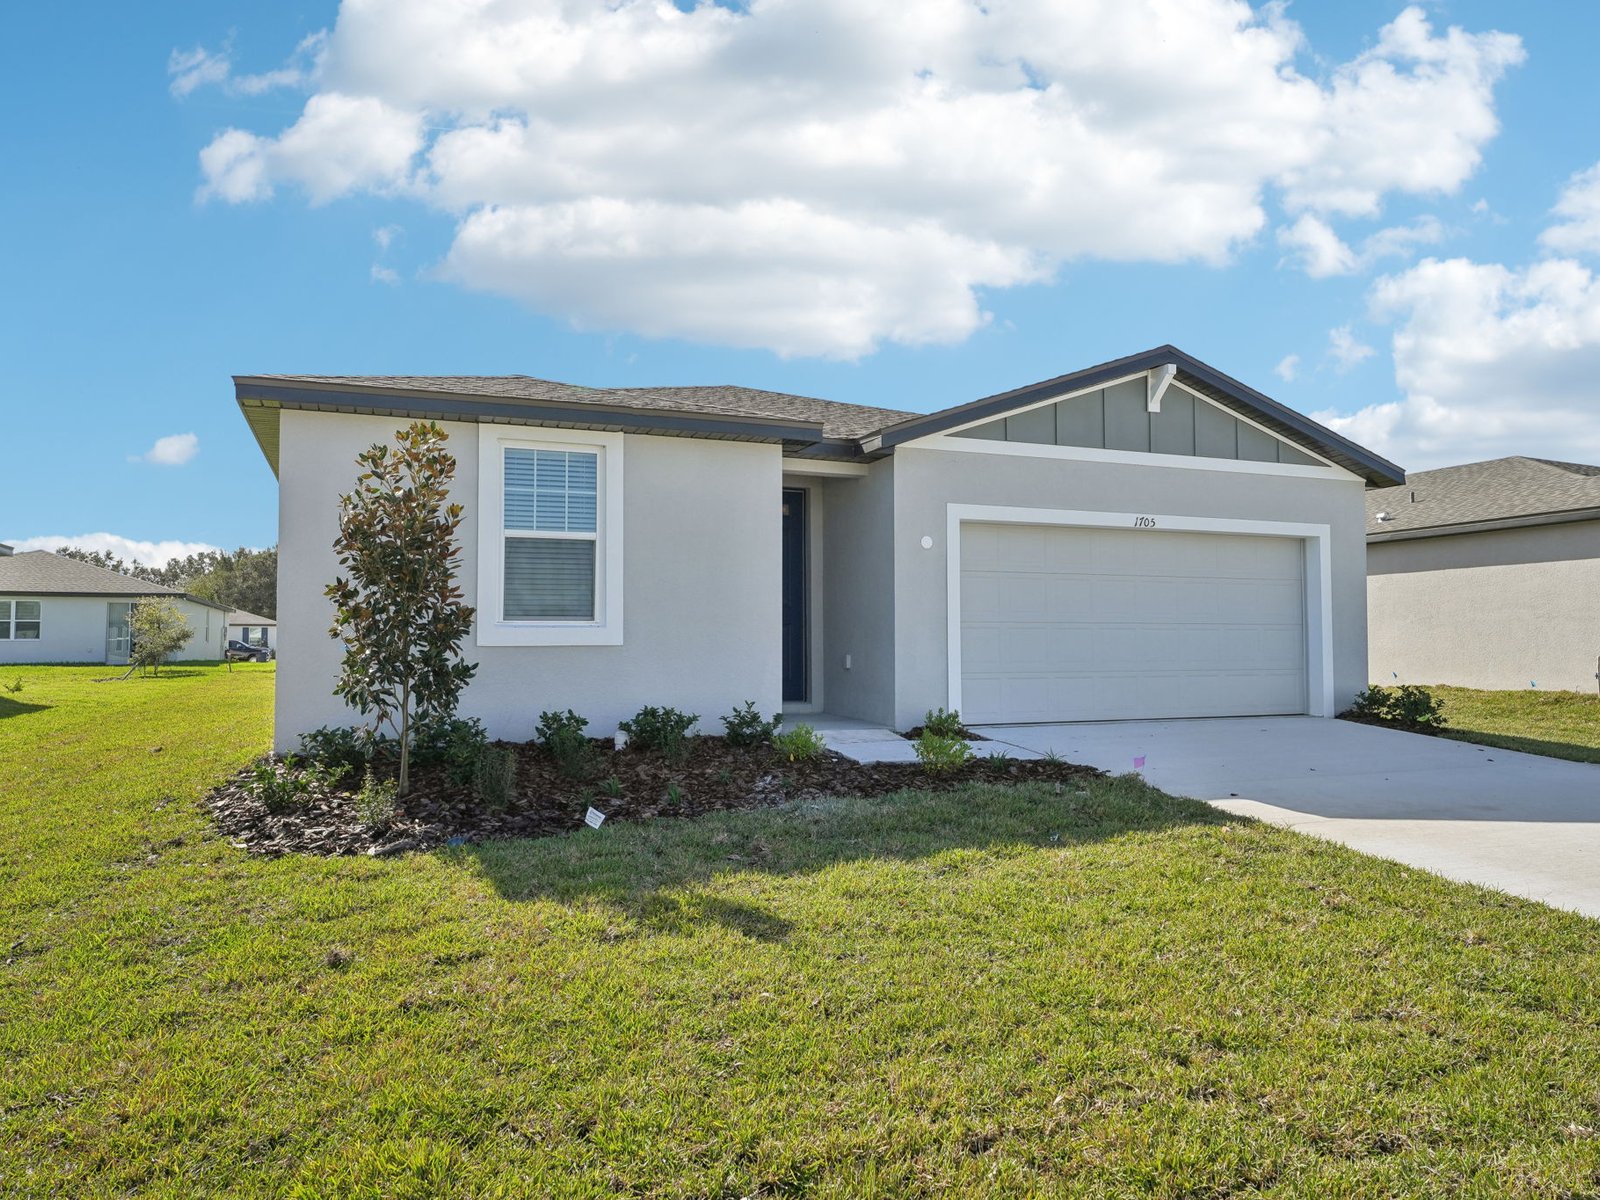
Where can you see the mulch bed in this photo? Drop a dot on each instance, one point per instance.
(716, 777)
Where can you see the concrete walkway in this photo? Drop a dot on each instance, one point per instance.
(869, 743)
(1517, 822)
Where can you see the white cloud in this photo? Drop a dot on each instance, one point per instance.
(1320, 251)
(694, 160)
(1492, 361)
(385, 235)
(340, 144)
(152, 554)
(1288, 366)
(191, 69)
(387, 275)
(171, 451)
(1578, 231)
(1346, 349)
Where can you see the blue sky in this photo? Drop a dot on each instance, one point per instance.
(1348, 206)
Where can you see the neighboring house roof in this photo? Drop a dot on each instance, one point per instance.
(5, 550)
(40, 573)
(1500, 493)
(239, 617)
(807, 427)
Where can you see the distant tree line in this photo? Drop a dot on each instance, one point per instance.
(246, 579)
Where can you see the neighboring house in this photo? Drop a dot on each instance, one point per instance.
(252, 630)
(1487, 575)
(1145, 538)
(60, 610)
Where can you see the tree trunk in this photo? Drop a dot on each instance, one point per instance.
(405, 740)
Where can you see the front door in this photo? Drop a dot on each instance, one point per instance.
(794, 595)
(119, 639)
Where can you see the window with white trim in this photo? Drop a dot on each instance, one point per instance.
(551, 526)
(19, 620)
(549, 537)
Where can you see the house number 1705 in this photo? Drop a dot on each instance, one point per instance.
(1144, 522)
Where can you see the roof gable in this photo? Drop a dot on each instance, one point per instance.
(1283, 422)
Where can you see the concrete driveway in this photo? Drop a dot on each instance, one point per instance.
(1517, 822)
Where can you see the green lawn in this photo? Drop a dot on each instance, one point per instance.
(1559, 724)
(988, 993)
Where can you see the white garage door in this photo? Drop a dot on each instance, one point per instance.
(1069, 624)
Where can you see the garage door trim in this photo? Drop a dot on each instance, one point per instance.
(1318, 576)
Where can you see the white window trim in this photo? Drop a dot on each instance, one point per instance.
(8, 627)
(493, 630)
(1318, 576)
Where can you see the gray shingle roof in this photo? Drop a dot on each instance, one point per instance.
(239, 616)
(836, 419)
(1502, 489)
(41, 573)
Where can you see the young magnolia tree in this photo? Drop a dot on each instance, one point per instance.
(400, 614)
(158, 629)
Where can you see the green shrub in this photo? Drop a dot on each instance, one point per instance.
(284, 785)
(451, 742)
(339, 746)
(800, 744)
(745, 726)
(943, 724)
(562, 735)
(611, 788)
(15, 685)
(662, 729)
(939, 754)
(1408, 706)
(494, 777)
(377, 801)
(675, 793)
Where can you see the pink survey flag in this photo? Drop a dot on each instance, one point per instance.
(1138, 763)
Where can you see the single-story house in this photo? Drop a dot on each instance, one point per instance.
(60, 610)
(1487, 575)
(1143, 538)
(252, 629)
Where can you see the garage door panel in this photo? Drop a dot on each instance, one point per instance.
(1100, 624)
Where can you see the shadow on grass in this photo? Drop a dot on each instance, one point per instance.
(657, 872)
(16, 708)
(1571, 751)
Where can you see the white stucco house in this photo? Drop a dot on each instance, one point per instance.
(253, 629)
(60, 610)
(1487, 575)
(1143, 538)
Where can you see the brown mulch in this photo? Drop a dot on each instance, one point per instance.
(716, 777)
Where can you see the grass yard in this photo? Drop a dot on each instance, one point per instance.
(1558, 724)
(985, 993)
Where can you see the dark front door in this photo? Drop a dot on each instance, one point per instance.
(794, 594)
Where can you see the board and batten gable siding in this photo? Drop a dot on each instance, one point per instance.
(72, 629)
(1116, 418)
(701, 571)
(928, 481)
(1499, 609)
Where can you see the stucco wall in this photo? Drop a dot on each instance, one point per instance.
(858, 574)
(702, 578)
(1502, 609)
(927, 480)
(73, 629)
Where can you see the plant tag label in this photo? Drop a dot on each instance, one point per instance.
(594, 818)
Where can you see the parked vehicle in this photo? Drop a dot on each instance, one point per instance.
(245, 652)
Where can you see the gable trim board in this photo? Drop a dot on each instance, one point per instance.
(1181, 462)
(1317, 576)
